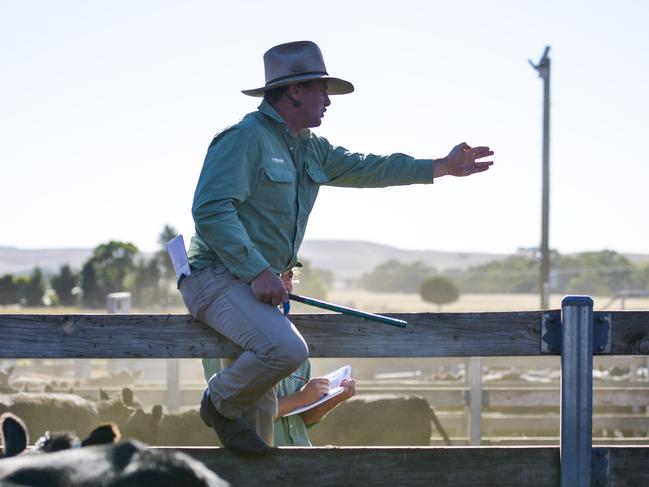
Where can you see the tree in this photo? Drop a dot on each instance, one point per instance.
(641, 277)
(107, 271)
(166, 289)
(9, 292)
(396, 276)
(601, 273)
(166, 267)
(515, 274)
(91, 295)
(311, 283)
(113, 262)
(35, 289)
(64, 284)
(147, 288)
(439, 290)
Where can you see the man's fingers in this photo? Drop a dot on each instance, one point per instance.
(485, 154)
(479, 151)
(477, 169)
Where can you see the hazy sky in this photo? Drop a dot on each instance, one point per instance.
(107, 109)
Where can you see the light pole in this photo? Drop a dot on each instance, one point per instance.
(543, 68)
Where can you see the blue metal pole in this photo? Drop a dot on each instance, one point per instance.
(576, 391)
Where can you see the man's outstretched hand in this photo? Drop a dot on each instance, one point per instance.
(463, 161)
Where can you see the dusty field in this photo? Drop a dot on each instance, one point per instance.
(412, 303)
(386, 303)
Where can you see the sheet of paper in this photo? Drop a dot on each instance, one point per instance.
(335, 388)
(178, 255)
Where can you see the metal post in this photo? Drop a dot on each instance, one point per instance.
(173, 385)
(543, 68)
(576, 391)
(475, 401)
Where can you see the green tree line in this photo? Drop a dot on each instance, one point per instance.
(597, 273)
(114, 266)
(117, 266)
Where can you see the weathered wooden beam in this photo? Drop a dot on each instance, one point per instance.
(328, 335)
(630, 333)
(414, 467)
(629, 466)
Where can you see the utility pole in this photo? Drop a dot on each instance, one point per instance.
(543, 68)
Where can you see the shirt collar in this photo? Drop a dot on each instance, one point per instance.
(268, 110)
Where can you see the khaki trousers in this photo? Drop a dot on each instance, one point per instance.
(272, 346)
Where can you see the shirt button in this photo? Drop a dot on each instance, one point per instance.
(290, 148)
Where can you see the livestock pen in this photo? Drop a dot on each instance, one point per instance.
(575, 332)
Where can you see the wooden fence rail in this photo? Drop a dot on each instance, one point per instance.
(575, 464)
(422, 466)
(328, 335)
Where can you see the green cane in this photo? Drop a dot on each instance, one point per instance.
(348, 311)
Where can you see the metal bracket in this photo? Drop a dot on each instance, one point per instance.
(600, 467)
(602, 326)
(551, 333)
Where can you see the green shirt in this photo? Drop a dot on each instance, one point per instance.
(291, 430)
(258, 185)
(288, 431)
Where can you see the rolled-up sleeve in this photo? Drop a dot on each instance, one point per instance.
(352, 169)
(228, 177)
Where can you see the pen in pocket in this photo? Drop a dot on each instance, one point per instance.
(295, 376)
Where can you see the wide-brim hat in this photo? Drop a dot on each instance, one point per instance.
(295, 62)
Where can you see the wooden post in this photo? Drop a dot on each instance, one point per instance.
(543, 68)
(173, 385)
(475, 400)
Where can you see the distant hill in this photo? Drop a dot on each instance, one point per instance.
(349, 258)
(345, 258)
(22, 261)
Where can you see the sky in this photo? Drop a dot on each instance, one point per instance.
(107, 109)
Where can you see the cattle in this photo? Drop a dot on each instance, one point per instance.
(376, 420)
(118, 408)
(180, 429)
(72, 413)
(78, 414)
(5, 386)
(125, 464)
(370, 420)
(15, 437)
(119, 378)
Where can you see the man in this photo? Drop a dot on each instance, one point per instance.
(293, 391)
(257, 187)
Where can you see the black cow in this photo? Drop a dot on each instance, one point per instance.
(126, 464)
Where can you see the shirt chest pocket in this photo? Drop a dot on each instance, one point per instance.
(317, 174)
(279, 174)
(276, 189)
